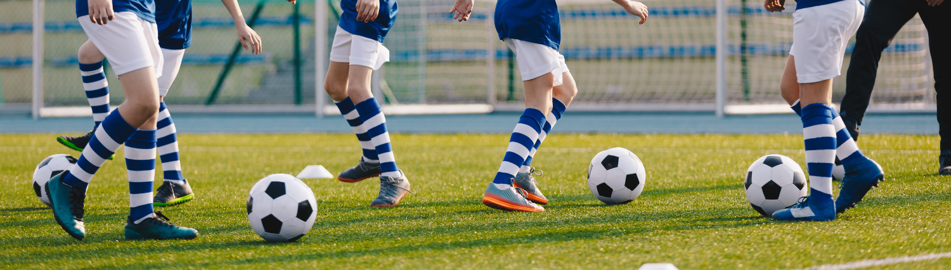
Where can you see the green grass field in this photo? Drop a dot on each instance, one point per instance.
(692, 213)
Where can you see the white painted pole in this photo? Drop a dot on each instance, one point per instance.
(38, 28)
(721, 57)
(490, 38)
(320, 55)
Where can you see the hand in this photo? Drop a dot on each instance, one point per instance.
(293, 2)
(100, 11)
(368, 10)
(462, 8)
(249, 39)
(779, 5)
(634, 8)
(934, 3)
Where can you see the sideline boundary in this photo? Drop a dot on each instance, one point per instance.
(880, 262)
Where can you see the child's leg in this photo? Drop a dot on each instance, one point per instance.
(94, 80)
(562, 95)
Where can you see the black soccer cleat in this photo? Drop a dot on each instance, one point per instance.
(78, 143)
(157, 227)
(169, 194)
(944, 161)
(362, 170)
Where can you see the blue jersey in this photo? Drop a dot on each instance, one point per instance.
(801, 4)
(376, 29)
(534, 21)
(174, 21)
(145, 9)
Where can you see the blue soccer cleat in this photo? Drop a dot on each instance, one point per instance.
(859, 179)
(67, 203)
(811, 208)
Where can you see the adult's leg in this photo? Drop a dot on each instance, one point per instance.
(938, 22)
(882, 20)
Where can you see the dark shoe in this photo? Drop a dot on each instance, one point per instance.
(158, 229)
(859, 179)
(67, 203)
(362, 170)
(78, 143)
(944, 162)
(808, 210)
(169, 194)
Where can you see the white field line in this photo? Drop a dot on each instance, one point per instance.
(880, 262)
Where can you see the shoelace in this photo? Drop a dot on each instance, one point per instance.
(161, 219)
(77, 198)
(540, 172)
(392, 182)
(801, 203)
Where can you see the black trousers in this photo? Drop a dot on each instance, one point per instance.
(883, 19)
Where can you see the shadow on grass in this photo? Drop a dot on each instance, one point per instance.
(24, 209)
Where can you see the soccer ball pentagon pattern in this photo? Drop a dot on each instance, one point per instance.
(47, 168)
(774, 182)
(281, 208)
(616, 176)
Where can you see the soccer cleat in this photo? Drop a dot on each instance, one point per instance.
(362, 170)
(169, 194)
(944, 162)
(392, 190)
(509, 199)
(526, 181)
(858, 181)
(158, 229)
(808, 210)
(67, 203)
(78, 143)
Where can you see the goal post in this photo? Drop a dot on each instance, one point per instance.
(723, 57)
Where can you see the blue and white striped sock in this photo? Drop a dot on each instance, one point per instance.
(820, 141)
(140, 160)
(105, 141)
(520, 145)
(97, 90)
(557, 110)
(375, 125)
(846, 149)
(349, 112)
(168, 147)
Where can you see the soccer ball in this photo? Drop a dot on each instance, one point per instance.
(49, 167)
(281, 208)
(838, 172)
(774, 182)
(616, 176)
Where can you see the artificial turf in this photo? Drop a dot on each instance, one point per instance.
(692, 212)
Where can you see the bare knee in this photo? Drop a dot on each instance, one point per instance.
(567, 91)
(789, 91)
(336, 89)
(88, 53)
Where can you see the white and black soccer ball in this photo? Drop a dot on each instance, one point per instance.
(281, 208)
(49, 167)
(774, 182)
(616, 176)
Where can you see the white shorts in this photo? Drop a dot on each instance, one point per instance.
(534, 60)
(128, 42)
(172, 63)
(820, 36)
(358, 50)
